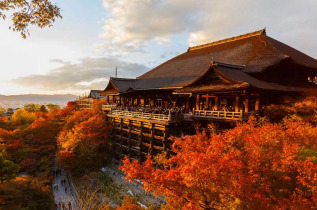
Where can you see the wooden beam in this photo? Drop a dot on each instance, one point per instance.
(208, 96)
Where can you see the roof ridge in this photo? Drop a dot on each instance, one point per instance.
(222, 41)
(229, 65)
(117, 78)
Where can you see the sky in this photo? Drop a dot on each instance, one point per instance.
(81, 51)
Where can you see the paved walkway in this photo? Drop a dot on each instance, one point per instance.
(63, 195)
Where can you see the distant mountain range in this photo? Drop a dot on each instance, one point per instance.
(17, 101)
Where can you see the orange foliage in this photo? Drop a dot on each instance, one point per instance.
(66, 159)
(97, 106)
(130, 204)
(69, 109)
(303, 108)
(77, 117)
(28, 165)
(13, 145)
(248, 167)
(85, 135)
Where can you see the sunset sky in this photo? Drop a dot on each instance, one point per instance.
(81, 50)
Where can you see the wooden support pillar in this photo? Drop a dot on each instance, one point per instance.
(113, 141)
(121, 133)
(257, 103)
(246, 105)
(119, 102)
(140, 142)
(174, 104)
(165, 138)
(187, 103)
(152, 139)
(207, 103)
(216, 103)
(236, 108)
(129, 139)
(197, 102)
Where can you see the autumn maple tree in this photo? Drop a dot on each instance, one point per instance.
(82, 140)
(249, 167)
(41, 13)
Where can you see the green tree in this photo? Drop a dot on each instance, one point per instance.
(2, 112)
(32, 107)
(8, 169)
(52, 106)
(9, 111)
(43, 109)
(41, 13)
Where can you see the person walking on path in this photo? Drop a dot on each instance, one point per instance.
(64, 195)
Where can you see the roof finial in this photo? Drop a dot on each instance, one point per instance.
(264, 31)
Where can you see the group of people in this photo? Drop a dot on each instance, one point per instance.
(57, 172)
(221, 108)
(62, 206)
(155, 110)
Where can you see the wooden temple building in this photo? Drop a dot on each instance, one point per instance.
(222, 81)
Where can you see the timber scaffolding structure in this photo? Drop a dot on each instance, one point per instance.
(136, 138)
(223, 82)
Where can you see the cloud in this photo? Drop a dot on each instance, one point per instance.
(60, 61)
(133, 23)
(90, 73)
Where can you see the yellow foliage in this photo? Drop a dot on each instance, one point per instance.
(23, 116)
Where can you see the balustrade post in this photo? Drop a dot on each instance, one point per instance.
(169, 115)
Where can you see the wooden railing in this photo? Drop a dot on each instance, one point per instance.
(142, 115)
(108, 106)
(219, 114)
(84, 106)
(89, 106)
